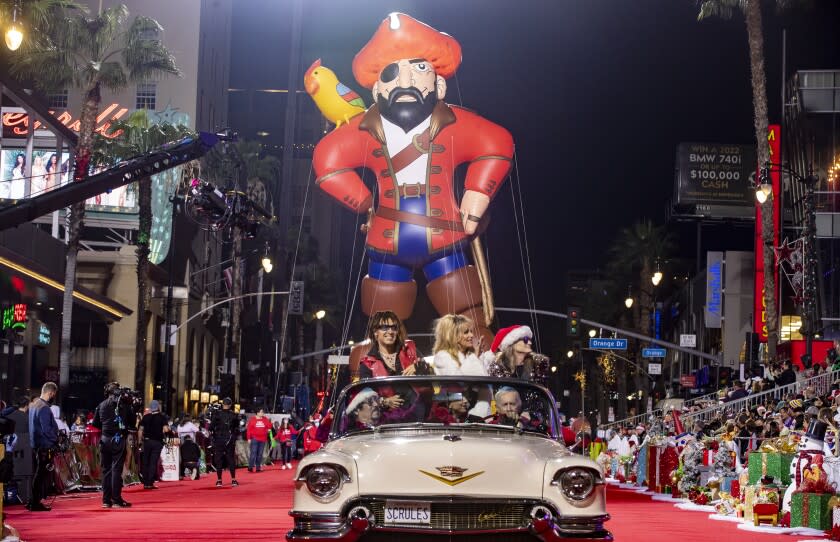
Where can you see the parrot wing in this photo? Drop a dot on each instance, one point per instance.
(349, 95)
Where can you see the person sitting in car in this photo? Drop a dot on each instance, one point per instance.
(364, 410)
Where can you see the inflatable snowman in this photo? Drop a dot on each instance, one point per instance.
(811, 445)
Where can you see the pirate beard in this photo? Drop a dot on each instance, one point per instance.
(406, 115)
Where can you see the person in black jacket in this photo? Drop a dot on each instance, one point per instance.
(787, 376)
(114, 417)
(224, 425)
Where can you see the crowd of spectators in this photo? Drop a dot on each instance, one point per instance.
(749, 423)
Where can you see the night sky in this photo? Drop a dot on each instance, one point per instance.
(596, 93)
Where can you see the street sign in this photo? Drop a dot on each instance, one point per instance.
(654, 368)
(608, 344)
(653, 352)
(687, 381)
(338, 360)
(688, 340)
(296, 297)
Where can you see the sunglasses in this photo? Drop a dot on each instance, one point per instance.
(387, 327)
(527, 340)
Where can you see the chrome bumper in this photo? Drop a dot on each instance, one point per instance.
(328, 527)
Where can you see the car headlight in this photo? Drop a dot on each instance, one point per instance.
(323, 481)
(576, 484)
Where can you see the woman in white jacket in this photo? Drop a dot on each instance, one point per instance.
(455, 347)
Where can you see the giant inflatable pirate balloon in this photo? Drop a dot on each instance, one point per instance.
(412, 141)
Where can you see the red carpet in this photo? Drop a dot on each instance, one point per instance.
(186, 510)
(637, 517)
(258, 510)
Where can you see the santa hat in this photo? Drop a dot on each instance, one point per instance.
(509, 336)
(360, 398)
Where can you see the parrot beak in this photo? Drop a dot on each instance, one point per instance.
(310, 82)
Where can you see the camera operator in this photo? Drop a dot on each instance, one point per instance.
(150, 435)
(224, 425)
(114, 417)
(43, 436)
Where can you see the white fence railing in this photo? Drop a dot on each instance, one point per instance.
(821, 384)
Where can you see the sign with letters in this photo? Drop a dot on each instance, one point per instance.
(608, 344)
(715, 173)
(296, 297)
(654, 368)
(688, 340)
(714, 289)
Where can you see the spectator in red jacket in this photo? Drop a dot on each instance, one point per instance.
(310, 440)
(257, 435)
(287, 434)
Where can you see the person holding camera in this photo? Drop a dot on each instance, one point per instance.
(224, 425)
(114, 418)
(43, 436)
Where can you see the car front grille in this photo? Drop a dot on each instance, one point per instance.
(425, 537)
(465, 516)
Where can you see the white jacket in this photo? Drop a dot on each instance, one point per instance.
(469, 365)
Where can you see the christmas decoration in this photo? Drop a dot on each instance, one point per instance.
(692, 459)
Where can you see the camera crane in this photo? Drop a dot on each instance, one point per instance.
(127, 171)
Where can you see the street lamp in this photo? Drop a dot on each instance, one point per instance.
(570, 354)
(592, 333)
(628, 301)
(764, 190)
(14, 36)
(319, 315)
(266, 260)
(657, 275)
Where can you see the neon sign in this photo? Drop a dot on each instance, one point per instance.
(14, 317)
(18, 122)
(44, 334)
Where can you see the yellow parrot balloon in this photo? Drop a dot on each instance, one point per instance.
(337, 102)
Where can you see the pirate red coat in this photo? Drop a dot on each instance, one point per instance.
(456, 136)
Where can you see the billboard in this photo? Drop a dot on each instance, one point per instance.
(715, 174)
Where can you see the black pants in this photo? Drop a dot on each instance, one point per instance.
(151, 455)
(224, 454)
(112, 457)
(42, 459)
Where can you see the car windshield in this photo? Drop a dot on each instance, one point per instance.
(377, 404)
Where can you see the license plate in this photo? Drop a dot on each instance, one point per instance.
(408, 513)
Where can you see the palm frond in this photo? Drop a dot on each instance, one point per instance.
(112, 76)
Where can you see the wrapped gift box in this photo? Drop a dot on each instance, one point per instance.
(642, 465)
(763, 464)
(726, 484)
(811, 510)
(708, 457)
(749, 502)
(661, 461)
(735, 489)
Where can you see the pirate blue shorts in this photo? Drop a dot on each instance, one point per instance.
(413, 252)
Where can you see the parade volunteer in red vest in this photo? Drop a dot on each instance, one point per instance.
(413, 141)
(257, 434)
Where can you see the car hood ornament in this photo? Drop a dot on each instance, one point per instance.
(451, 471)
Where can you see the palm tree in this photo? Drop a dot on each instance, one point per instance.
(89, 53)
(636, 251)
(755, 37)
(138, 135)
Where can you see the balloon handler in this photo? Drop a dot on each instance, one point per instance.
(413, 141)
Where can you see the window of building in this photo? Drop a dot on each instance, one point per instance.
(146, 96)
(57, 100)
(150, 34)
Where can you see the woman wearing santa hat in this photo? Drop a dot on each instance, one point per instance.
(514, 356)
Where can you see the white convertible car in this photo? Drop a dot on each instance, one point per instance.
(434, 458)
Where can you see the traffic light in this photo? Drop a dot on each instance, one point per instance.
(573, 322)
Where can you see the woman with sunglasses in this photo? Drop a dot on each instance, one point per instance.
(514, 356)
